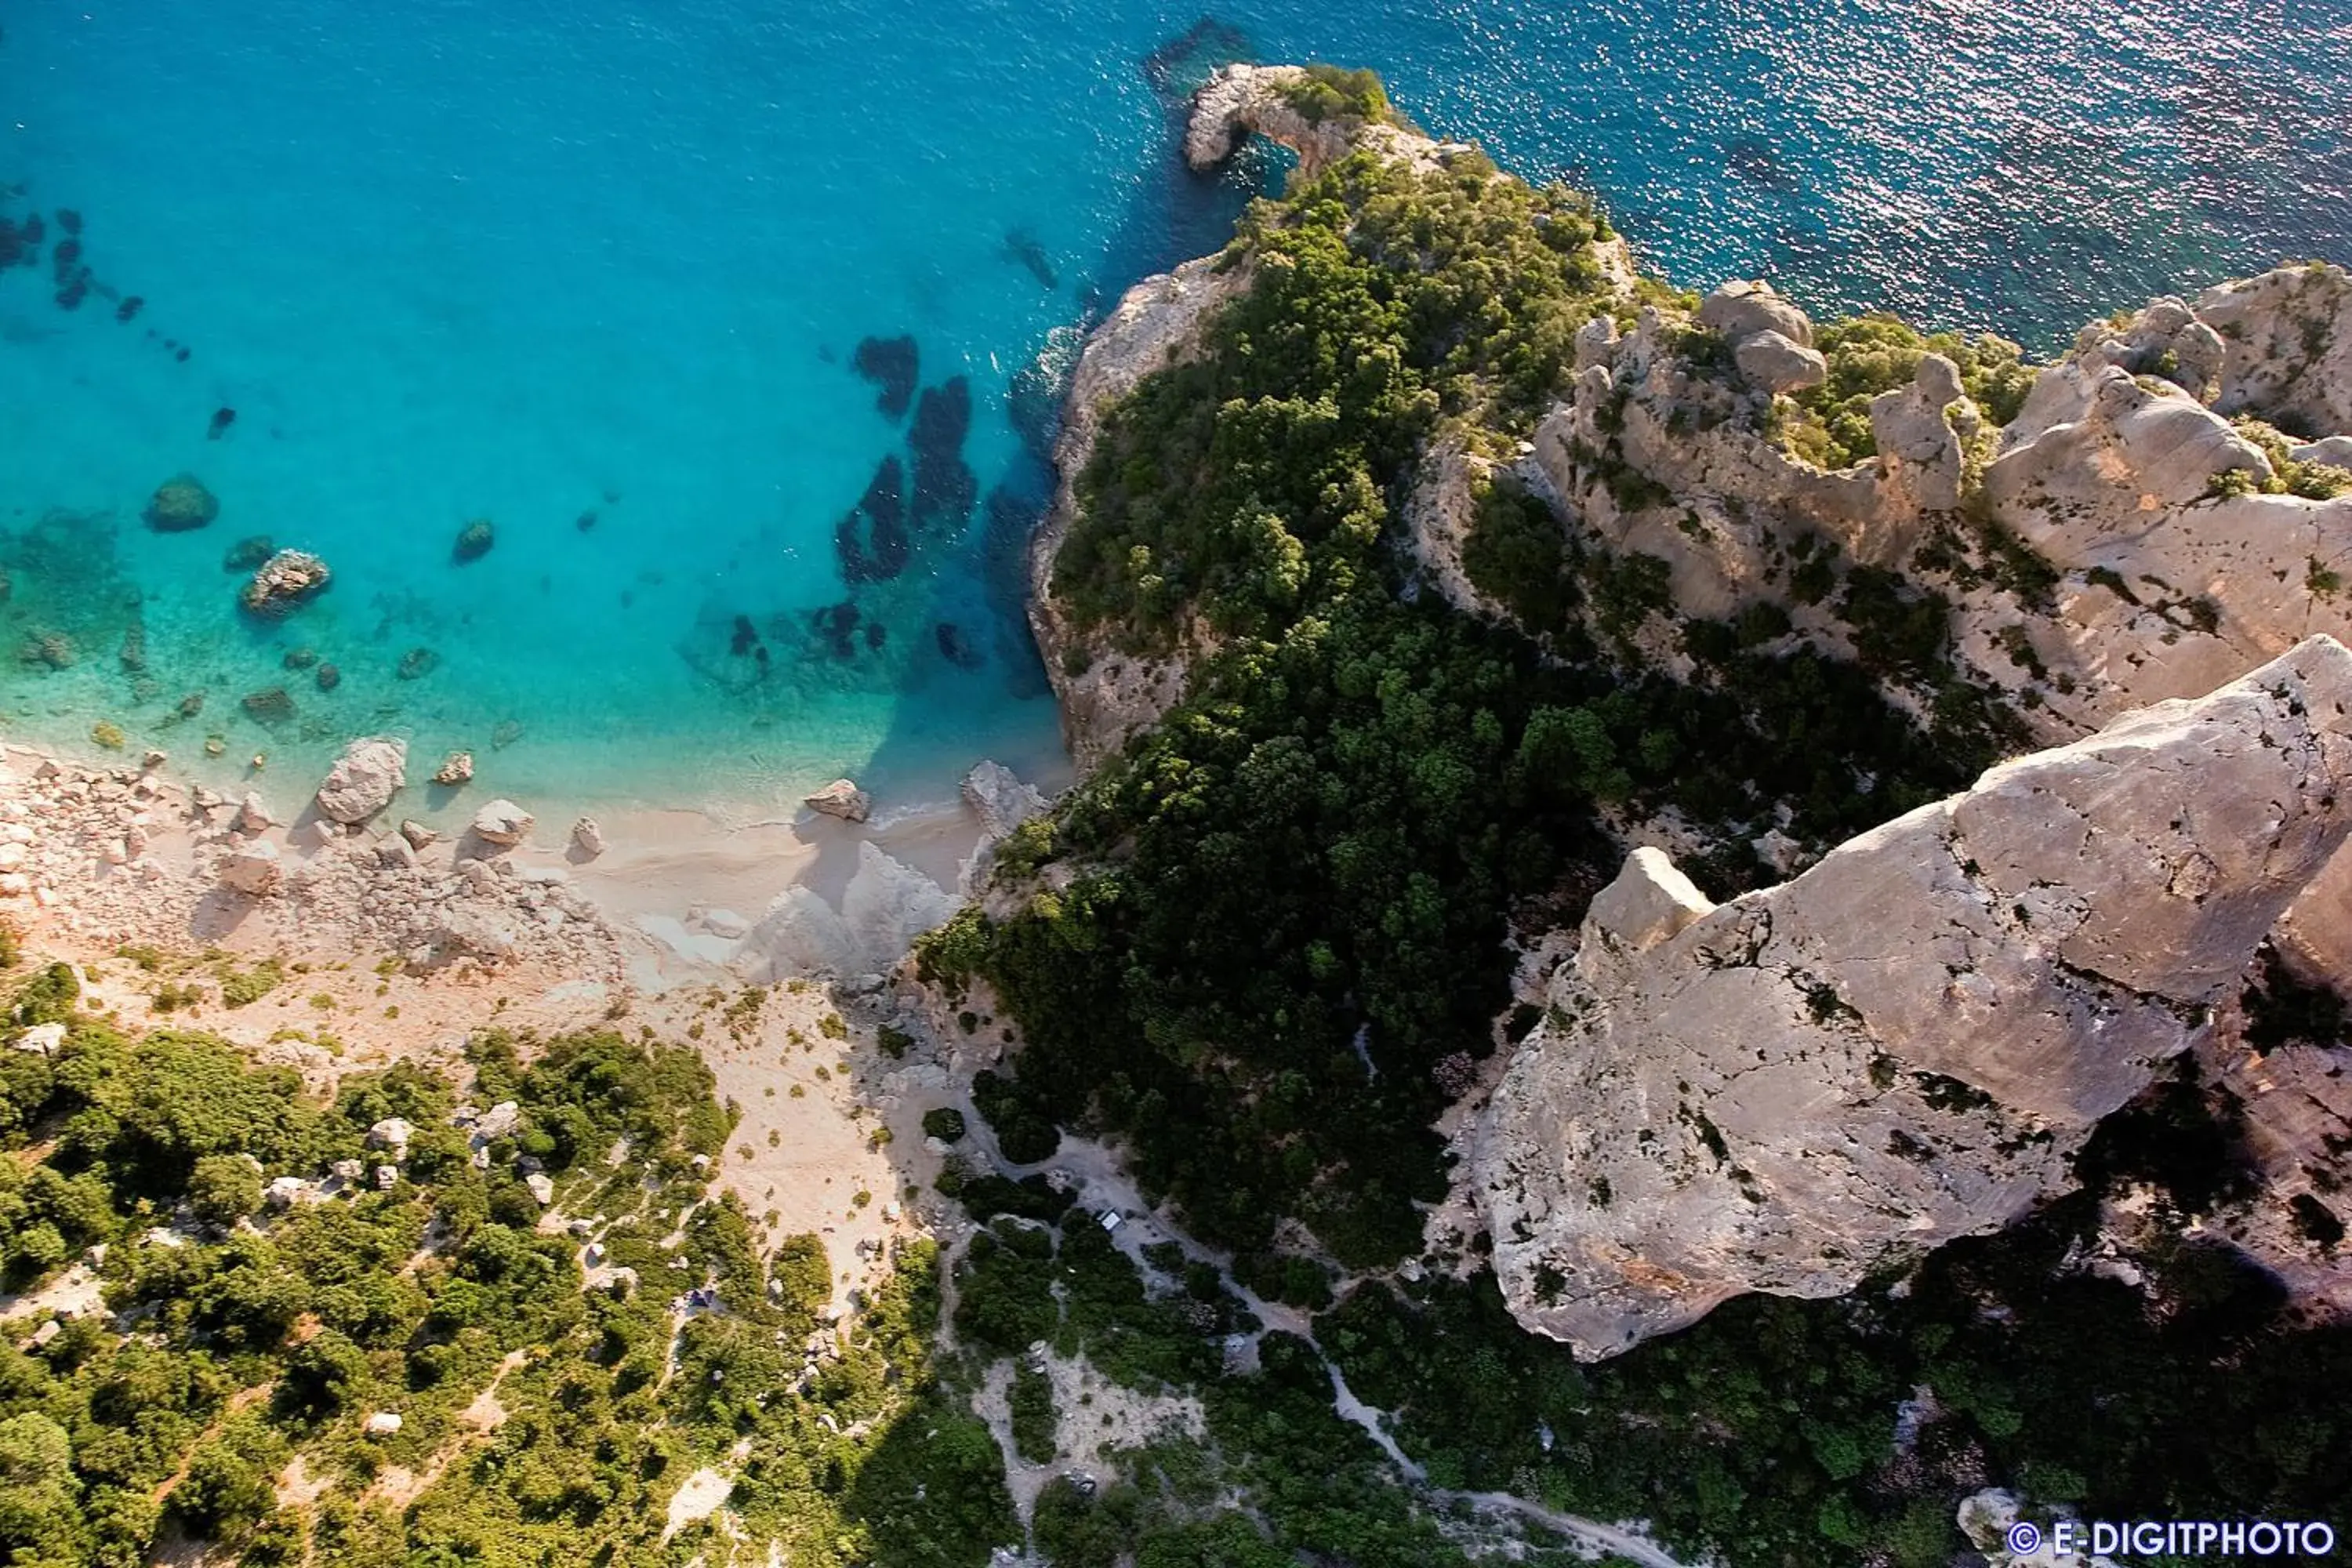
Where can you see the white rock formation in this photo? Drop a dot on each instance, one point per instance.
(588, 837)
(1907, 1043)
(841, 798)
(455, 769)
(364, 779)
(253, 814)
(502, 822)
(999, 800)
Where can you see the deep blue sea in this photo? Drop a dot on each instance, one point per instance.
(599, 272)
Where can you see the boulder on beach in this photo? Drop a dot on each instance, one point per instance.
(502, 822)
(588, 837)
(364, 779)
(180, 505)
(841, 798)
(284, 581)
(253, 869)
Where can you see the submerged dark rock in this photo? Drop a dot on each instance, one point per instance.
(270, 705)
(945, 487)
(129, 308)
(474, 541)
(222, 419)
(955, 647)
(836, 625)
(871, 544)
(892, 364)
(1025, 249)
(1177, 68)
(876, 635)
(418, 663)
(744, 638)
(70, 297)
(585, 522)
(249, 553)
(180, 505)
(69, 221)
(329, 678)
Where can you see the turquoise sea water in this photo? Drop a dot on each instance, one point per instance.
(599, 272)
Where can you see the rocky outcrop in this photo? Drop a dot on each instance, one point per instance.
(1772, 339)
(455, 769)
(841, 798)
(284, 581)
(364, 779)
(1907, 1043)
(998, 799)
(1244, 100)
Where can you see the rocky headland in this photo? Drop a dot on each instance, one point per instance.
(2132, 558)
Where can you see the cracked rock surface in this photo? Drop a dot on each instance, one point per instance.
(1908, 1043)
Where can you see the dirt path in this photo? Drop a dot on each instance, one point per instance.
(1101, 1186)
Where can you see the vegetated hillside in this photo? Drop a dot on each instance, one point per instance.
(1267, 942)
(1262, 948)
(252, 1319)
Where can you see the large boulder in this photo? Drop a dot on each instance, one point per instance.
(1909, 1042)
(365, 779)
(1743, 309)
(180, 505)
(253, 869)
(502, 822)
(1772, 362)
(841, 798)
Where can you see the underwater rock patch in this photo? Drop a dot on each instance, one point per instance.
(893, 365)
(181, 504)
(270, 705)
(249, 553)
(474, 541)
(955, 647)
(870, 543)
(945, 487)
(222, 419)
(1177, 68)
(46, 649)
(417, 664)
(1025, 247)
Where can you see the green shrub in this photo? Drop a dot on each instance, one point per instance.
(944, 1122)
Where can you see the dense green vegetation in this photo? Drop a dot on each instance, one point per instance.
(1281, 952)
(1334, 92)
(222, 1392)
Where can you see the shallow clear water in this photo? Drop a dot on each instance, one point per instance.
(598, 272)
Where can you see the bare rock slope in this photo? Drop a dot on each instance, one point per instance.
(1907, 1043)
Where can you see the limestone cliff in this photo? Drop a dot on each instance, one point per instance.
(1908, 1042)
(1106, 695)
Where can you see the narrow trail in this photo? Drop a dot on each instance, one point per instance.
(1100, 1184)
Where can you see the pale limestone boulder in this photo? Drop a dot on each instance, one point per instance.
(999, 800)
(588, 837)
(1768, 360)
(503, 822)
(364, 779)
(1743, 309)
(841, 798)
(1907, 1043)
